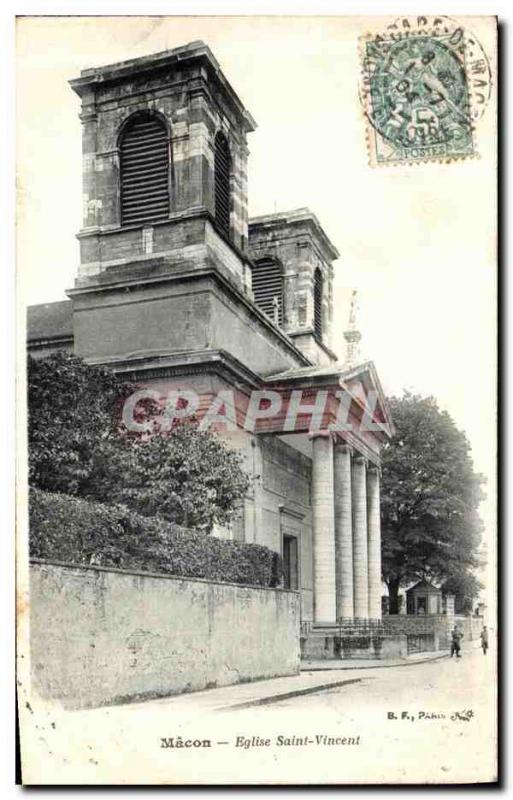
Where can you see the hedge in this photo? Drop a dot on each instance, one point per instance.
(66, 528)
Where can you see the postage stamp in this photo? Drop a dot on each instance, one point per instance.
(424, 84)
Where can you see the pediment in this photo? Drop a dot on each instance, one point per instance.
(363, 383)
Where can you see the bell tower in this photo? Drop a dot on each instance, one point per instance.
(167, 277)
(164, 166)
(292, 278)
(164, 256)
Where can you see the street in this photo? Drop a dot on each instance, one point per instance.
(430, 722)
(446, 684)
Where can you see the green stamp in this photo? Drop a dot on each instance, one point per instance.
(419, 88)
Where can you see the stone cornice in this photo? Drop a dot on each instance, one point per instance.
(337, 374)
(369, 368)
(177, 217)
(359, 448)
(49, 341)
(143, 366)
(193, 53)
(292, 511)
(287, 219)
(121, 281)
(310, 332)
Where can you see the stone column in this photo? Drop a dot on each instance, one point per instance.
(343, 531)
(324, 593)
(374, 542)
(360, 557)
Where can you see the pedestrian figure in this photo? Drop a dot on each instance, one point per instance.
(456, 637)
(484, 639)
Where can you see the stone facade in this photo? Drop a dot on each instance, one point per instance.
(298, 243)
(172, 300)
(187, 90)
(101, 636)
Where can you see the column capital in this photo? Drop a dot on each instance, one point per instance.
(342, 446)
(359, 458)
(374, 469)
(322, 434)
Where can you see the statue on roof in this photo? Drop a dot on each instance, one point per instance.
(352, 335)
(353, 310)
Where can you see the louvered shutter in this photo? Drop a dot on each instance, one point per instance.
(318, 303)
(144, 171)
(222, 182)
(267, 284)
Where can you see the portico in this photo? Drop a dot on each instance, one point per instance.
(346, 533)
(345, 490)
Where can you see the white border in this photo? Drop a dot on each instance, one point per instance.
(9, 9)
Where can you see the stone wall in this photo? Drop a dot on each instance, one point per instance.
(324, 646)
(429, 629)
(471, 626)
(439, 625)
(102, 636)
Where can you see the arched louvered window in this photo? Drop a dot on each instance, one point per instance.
(267, 284)
(144, 165)
(222, 162)
(318, 285)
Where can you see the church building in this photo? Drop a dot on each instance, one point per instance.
(177, 286)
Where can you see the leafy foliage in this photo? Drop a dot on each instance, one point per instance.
(71, 414)
(430, 495)
(186, 476)
(70, 529)
(77, 446)
(465, 587)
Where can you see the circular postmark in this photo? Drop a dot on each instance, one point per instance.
(425, 82)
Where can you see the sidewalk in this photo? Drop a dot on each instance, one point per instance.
(362, 663)
(264, 692)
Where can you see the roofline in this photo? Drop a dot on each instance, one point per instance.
(296, 216)
(34, 342)
(371, 368)
(194, 51)
(142, 365)
(341, 375)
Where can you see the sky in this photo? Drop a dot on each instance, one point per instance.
(417, 242)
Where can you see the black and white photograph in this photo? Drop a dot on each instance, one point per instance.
(256, 482)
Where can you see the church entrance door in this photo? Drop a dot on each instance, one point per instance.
(290, 561)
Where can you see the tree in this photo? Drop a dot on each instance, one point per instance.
(430, 496)
(72, 410)
(465, 587)
(186, 476)
(78, 446)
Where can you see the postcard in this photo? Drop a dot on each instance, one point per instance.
(257, 369)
